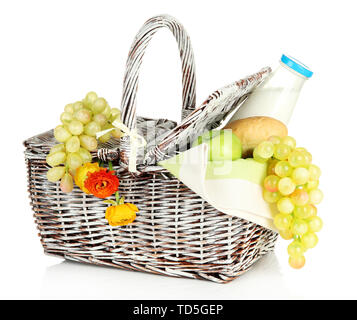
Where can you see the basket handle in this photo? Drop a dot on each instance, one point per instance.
(134, 61)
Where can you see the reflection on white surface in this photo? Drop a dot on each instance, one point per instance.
(77, 280)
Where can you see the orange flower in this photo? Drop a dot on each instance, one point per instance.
(121, 215)
(101, 183)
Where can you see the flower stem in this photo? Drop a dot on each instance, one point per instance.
(119, 200)
(117, 197)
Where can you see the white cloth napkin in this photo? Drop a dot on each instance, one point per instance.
(232, 187)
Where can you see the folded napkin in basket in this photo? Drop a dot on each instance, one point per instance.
(232, 187)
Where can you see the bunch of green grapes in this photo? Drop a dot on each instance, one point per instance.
(292, 184)
(81, 121)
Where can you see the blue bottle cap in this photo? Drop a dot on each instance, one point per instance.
(296, 66)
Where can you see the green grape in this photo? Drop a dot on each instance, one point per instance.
(299, 197)
(285, 205)
(88, 142)
(282, 151)
(314, 172)
(274, 139)
(89, 110)
(283, 221)
(315, 224)
(296, 159)
(107, 112)
(301, 149)
(99, 105)
(92, 128)
(289, 141)
(283, 169)
(85, 155)
(286, 234)
(312, 210)
(297, 262)
(271, 197)
(66, 117)
(301, 158)
(308, 158)
(83, 115)
(265, 149)
(312, 185)
(75, 127)
(57, 148)
(300, 175)
(74, 161)
(55, 159)
(61, 134)
(309, 240)
(286, 186)
(56, 173)
(77, 106)
(105, 138)
(114, 114)
(316, 196)
(66, 184)
(69, 108)
(299, 227)
(257, 157)
(73, 144)
(296, 249)
(89, 99)
(302, 212)
(271, 183)
(271, 166)
(101, 119)
(117, 133)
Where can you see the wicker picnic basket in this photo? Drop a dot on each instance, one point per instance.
(176, 232)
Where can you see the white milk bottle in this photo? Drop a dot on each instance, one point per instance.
(276, 97)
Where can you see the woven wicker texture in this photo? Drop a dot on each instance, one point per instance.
(176, 232)
(134, 61)
(208, 116)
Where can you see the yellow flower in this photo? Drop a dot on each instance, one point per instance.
(122, 214)
(81, 174)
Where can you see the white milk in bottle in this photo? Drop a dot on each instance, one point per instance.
(276, 97)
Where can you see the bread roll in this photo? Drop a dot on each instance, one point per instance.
(253, 130)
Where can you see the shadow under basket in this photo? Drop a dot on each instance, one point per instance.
(176, 233)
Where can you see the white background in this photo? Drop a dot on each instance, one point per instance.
(53, 52)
